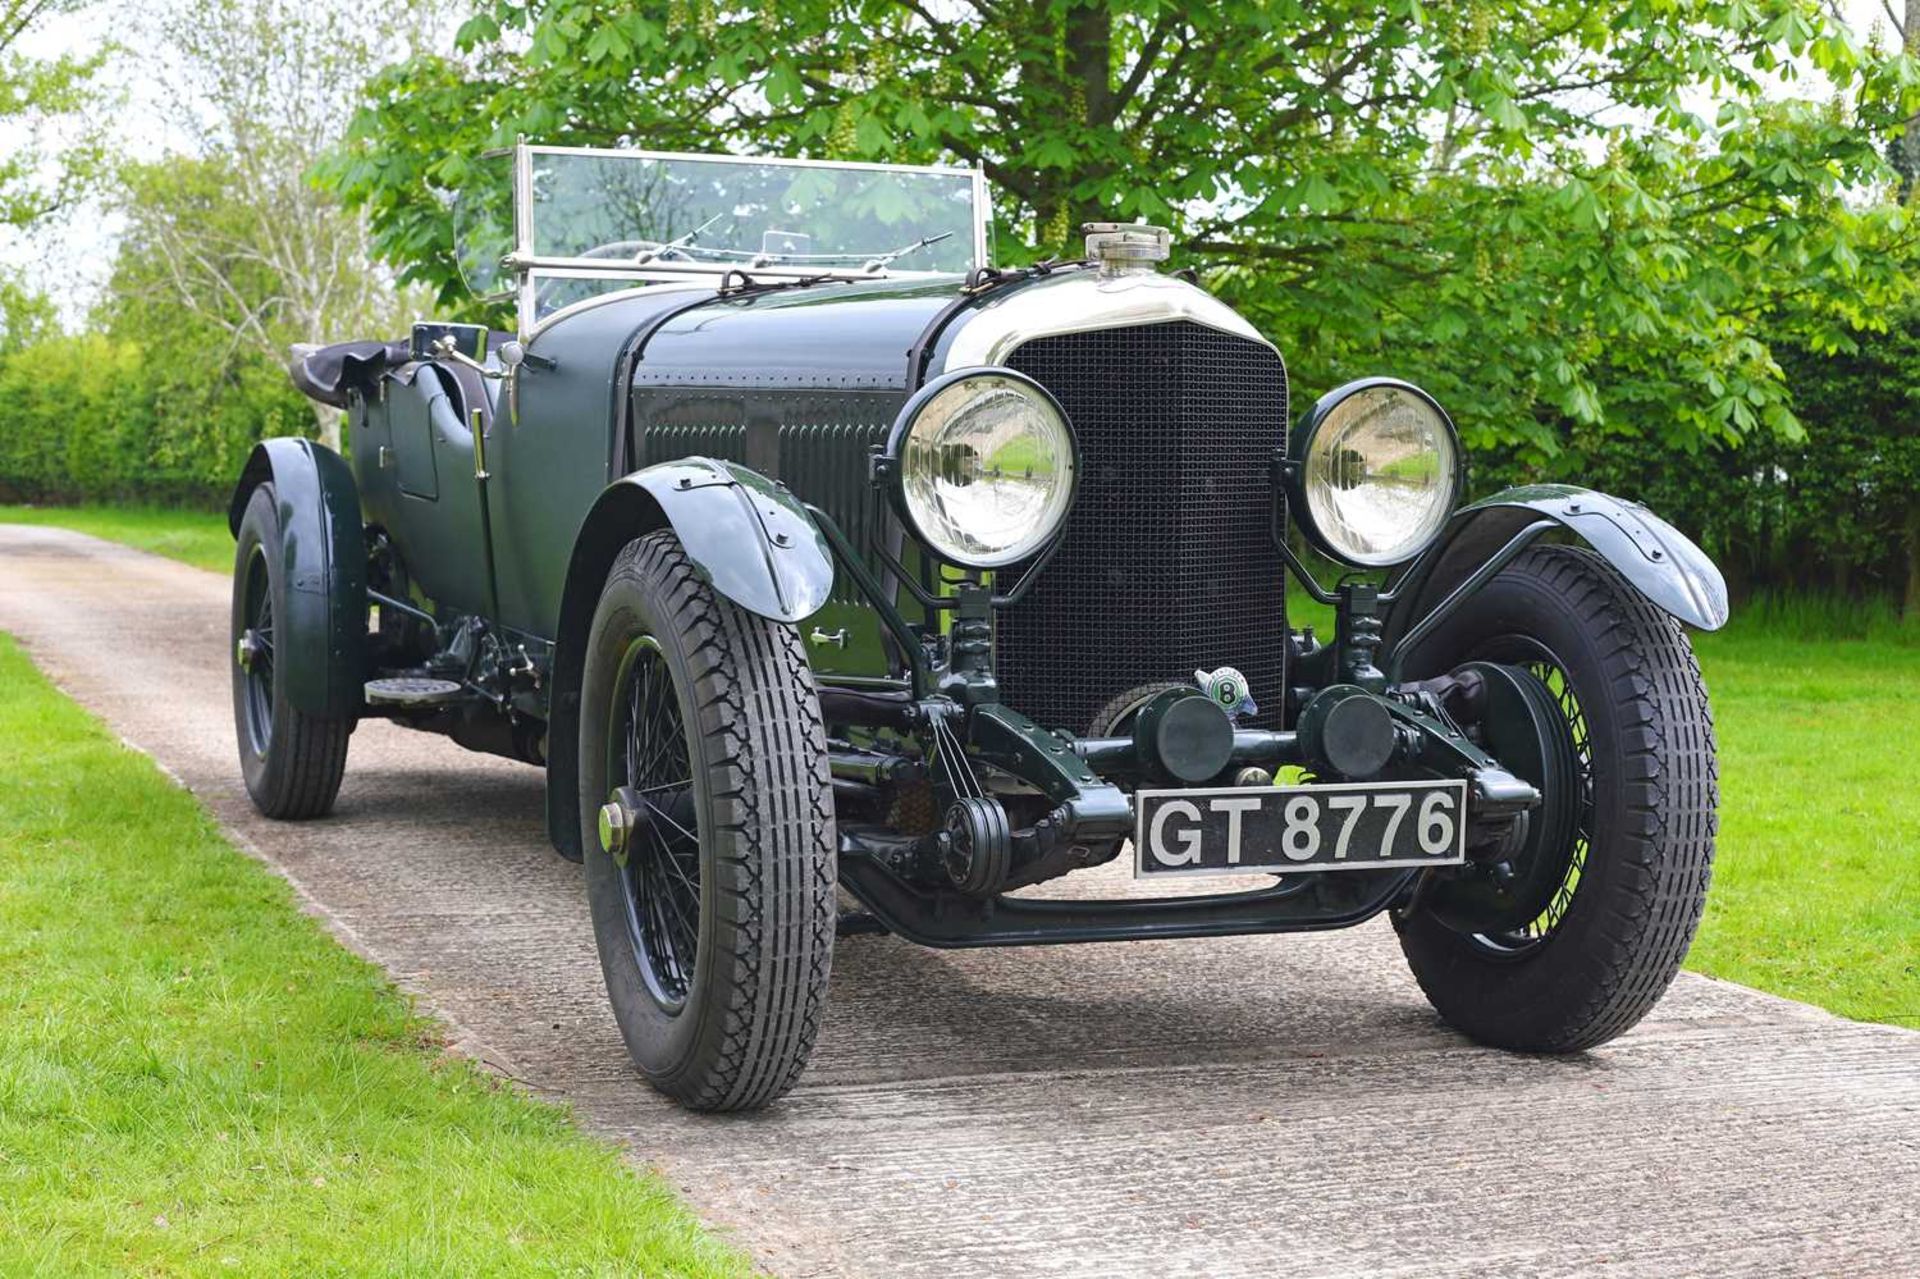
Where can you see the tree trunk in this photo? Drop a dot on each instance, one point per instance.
(1907, 148)
(1078, 74)
(1090, 79)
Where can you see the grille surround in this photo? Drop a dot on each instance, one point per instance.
(1167, 563)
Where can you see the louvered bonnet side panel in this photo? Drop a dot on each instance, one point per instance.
(816, 441)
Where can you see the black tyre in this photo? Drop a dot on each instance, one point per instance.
(715, 919)
(292, 761)
(1632, 879)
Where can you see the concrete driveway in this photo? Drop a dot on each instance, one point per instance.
(1279, 1106)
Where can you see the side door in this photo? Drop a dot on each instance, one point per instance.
(432, 510)
(411, 392)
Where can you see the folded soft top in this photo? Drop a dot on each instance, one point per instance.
(330, 374)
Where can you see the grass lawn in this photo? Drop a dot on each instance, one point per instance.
(1816, 890)
(195, 1078)
(199, 538)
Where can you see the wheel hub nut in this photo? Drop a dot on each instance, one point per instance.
(613, 829)
(246, 650)
(618, 817)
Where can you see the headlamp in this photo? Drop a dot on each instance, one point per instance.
(1377, 471)
(983, 464)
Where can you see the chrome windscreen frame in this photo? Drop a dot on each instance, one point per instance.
(529, 267)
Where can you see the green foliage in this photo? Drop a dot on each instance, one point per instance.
(190, 264)
(100, 416)
(34, 92)
(180, 370)
(1814, 617)
(25, 316)
(1515, 202)
(67, 416)
(226, 256)
(1834, 508)
(233, 231)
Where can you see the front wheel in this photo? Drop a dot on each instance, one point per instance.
(1626, 872)
(707, 810)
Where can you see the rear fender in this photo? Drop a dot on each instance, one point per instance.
(748, 536)
(322, 639)
(1661, 562)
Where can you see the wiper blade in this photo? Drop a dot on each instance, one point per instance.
(886, 259)
(678, 242)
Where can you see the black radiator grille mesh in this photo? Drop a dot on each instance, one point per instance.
(1168, 565)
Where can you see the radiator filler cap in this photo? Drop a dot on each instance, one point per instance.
(1123, 248)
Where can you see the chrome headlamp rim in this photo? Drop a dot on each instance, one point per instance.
(1302, 439)
(892, 471)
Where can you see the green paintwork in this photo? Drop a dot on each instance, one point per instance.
(1008, 739)
(321, 623)
(1661, 561)
(815, 440)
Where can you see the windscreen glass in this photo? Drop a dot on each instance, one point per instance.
(483, 223)
(636, 208)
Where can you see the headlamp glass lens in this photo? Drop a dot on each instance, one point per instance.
(987, 471)
(1381, 475)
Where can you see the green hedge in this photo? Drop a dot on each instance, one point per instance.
(1836, 513)
(93, 418)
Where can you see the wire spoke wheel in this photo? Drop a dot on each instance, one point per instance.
(258, 612)
(660, 872)
(707, 829)
(1568, 933)
(293, 752)
(1540, 664)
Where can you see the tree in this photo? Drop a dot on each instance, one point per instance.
(1904, 154)
(1517, 202)
(198, 284)
(26, 317)
(1852, 491)
(35, 92)
(234, 234)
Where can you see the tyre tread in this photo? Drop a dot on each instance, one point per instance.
(1661, 863)
(299, 777)
(774, 843)
(315, 762)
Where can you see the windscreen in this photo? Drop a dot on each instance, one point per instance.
(729, 212)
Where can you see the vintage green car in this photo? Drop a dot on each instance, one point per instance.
(842, 582)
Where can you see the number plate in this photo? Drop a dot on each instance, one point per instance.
(1239, 830)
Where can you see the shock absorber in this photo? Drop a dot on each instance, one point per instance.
(970, 676)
